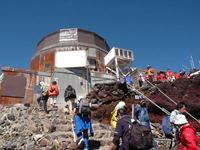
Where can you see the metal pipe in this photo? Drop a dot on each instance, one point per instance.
(173, 101)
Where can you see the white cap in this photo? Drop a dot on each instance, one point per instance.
(120, 105)
(180, 119)
(80, 97)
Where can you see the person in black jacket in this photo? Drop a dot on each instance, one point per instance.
(122, 131)
(69, 96)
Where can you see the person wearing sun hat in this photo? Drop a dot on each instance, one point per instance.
(114, 119)
(188, 139)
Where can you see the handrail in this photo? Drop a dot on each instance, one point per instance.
(173, 101)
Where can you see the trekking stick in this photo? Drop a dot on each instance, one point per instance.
(73, 132)
(132, 111)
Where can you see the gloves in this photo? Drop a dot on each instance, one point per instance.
(91, 133)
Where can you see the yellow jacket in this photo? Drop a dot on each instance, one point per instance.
(114, 119)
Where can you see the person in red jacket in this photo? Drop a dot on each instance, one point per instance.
(159, 77)
(176, 75)
(187, 75)
(53, 94)
(188, 139)
(169, 75)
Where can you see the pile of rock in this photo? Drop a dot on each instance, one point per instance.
(108, 93)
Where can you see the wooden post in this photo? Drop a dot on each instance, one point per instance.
(132, 111)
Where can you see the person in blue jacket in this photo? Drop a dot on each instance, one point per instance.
(82, 125)
(142, 116)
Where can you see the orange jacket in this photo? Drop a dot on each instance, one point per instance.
(55, 92)
(150, 71)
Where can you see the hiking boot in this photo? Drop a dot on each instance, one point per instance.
(80, 143)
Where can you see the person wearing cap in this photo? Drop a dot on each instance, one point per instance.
(114, 119)
(44, 96)
(188, 139)
(53, 94)
(82, 125)
(122, 131)
(150, 72)
(141, 115)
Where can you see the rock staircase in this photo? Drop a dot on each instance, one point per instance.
(29, 127)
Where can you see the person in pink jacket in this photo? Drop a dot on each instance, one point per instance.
(53, 94)
(188, 139)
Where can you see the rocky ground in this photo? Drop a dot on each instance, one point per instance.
(28, 127)
(23, 126)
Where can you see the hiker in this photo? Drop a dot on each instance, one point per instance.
(129, 80)
(114, 119)
(180, 109)
(141, 115)
(140, 80)
(187, 75)
(146, 76)
(182, 73)
(44, 96)
(53, 94)
(150, 73)
(69, 96)
(169, 75)
(82, 124)
(188, 139)
(159, 77)
(122, 131)
(176, 75)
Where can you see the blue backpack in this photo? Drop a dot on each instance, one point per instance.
(167, 127)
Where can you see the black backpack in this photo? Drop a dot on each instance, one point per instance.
(84, 107)
(140, 138)
(70, 94)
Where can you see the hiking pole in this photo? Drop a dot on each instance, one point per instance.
(173, 101)
(73, 132)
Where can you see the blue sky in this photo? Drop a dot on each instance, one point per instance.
(161, 33)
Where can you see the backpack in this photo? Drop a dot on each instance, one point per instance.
(84, 107)
(167, 127)
(70, 94)
(140, 136)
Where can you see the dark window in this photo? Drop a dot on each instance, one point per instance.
(92, 62)
(130, 54)
(125, 54)
(116, 52)
(13, 86)
(121, 52)
(47, 66)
